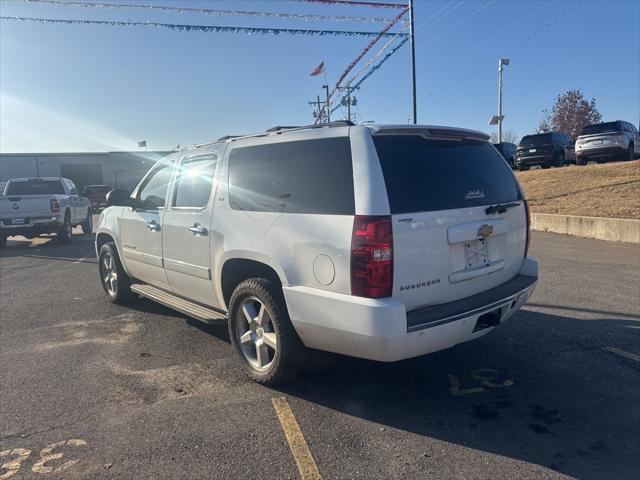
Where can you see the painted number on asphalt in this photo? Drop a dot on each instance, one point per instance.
(486, 377)
(45, 464)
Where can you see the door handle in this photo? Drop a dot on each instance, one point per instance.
(153, 226)
(198, 230)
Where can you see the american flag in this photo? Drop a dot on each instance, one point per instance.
(318, 70)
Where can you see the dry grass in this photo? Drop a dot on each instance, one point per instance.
(606, 190)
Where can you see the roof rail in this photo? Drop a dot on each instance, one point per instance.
(337, 123)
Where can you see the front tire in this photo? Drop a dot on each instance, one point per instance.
(87, 225)
(114, 280)
(262, 334)
(631, 153)
(66, 231)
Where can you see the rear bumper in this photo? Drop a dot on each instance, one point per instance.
(382, 329)
(535, 159)
(601, 152)
(34, 226)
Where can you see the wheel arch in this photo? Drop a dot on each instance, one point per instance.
(237, 268)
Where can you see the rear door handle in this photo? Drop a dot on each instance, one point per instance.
(198, 230)
(153, 226)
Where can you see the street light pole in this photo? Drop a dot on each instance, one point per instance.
(501, 63)
(413, 62)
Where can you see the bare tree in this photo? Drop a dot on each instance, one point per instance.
(507, 136)
(570, 113)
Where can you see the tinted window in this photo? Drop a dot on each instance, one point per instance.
(600, 128)
(154, 192)
(530, 140)
(195, 182)
(310, 176)
(35, 187)
(425, 175)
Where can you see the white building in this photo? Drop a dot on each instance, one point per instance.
(116, 169)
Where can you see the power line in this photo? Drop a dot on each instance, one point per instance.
(212, 12)
(507, 52)
(436, 17)
(357, 3)
(458, 24)
(206, 28)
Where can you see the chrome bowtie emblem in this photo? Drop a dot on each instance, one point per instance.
(485, 230)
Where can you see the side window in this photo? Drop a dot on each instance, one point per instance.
(634, 129)
(72, 188)
(308, 176)
(153, 193)
(195, 182)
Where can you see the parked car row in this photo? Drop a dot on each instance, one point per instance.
(601, 142)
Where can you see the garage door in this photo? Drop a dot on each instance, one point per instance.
(83, 174)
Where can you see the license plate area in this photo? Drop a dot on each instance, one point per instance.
(476, 253)
(597, 142)
(18, 221)
(533, 150)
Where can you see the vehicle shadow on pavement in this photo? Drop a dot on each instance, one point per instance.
(49, 247)
(541, 389)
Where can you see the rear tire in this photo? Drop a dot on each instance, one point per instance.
(523, 168)
(631, 153)
(262, 334)
(87, 225)
(560, 162)
(114, 280)
(66, 231)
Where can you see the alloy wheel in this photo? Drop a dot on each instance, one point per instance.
(109, 274)
(256, 334)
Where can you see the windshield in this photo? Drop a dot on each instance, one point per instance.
(600, 128)
(530, 140)
(35, 187)
(424, 175)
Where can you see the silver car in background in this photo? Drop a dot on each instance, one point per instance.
(607, 141)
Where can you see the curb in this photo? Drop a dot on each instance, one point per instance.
(613, 229)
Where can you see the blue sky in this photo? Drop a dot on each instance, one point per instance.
(96, 88)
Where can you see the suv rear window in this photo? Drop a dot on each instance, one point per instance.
(530, 140)
(35, 187)
(601, 128)
(309, 176)
(425, 175)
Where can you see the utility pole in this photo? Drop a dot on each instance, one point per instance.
(349, 101)
(317, 104)
(501, 63)
(326, 88)
(413, 62)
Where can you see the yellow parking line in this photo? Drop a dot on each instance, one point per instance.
(623, 353)
(301, 453)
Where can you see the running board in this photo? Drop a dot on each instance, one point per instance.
(191, 309)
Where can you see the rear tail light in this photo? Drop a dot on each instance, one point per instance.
(372, 257)
(526, 247)
(55, 205)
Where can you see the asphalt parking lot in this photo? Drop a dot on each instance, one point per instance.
(94, 390)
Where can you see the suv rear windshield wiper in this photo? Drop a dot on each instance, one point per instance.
(500, 208)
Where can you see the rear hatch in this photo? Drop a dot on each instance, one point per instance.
(535, 146)
(446, 246)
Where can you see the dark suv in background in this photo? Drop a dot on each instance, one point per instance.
(607, 141)
(508, 151)
(552, 149)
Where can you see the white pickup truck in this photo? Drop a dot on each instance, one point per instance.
(33, 206)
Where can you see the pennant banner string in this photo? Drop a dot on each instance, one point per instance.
(371, 60)
(375, 67)
(213, 12)
(207, 28)
(355, 61)
(357, 3)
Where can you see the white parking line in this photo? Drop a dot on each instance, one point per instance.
(623, 353)
(82, 259)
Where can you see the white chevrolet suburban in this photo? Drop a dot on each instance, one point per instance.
(33, 206)
(378, 241)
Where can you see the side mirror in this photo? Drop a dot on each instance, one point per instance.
(119, 198)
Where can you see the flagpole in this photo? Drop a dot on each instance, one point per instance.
(413, 62)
